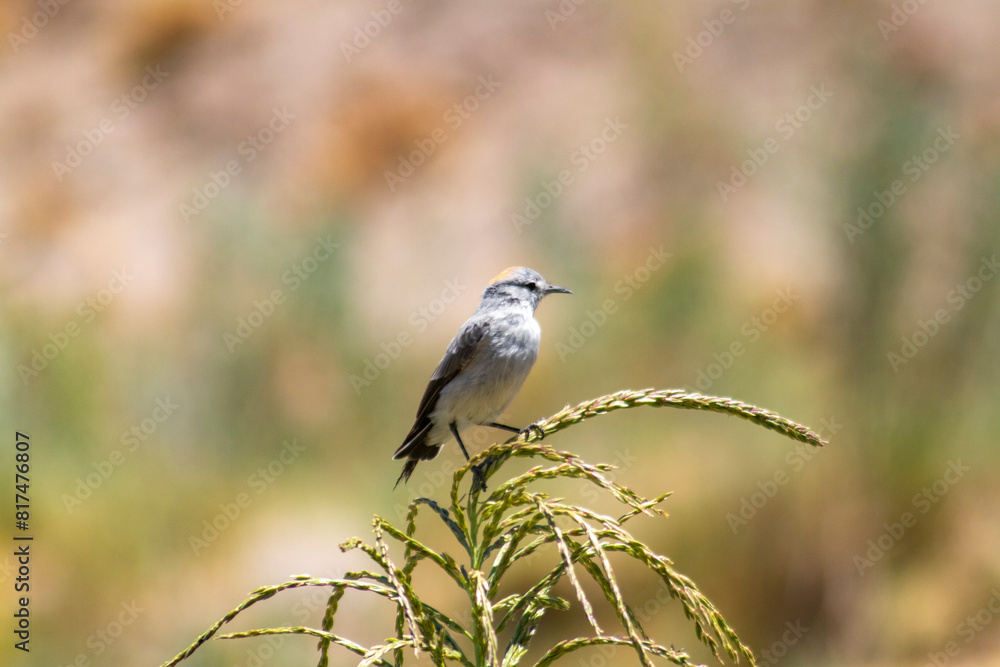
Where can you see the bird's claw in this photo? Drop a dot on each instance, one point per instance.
(478, 478)
(533, 427)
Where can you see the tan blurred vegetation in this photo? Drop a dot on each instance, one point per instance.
(243, 190)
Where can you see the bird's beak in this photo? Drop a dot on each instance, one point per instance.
(554, 289)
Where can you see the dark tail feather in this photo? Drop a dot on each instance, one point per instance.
(407, 471)
(418, 453)
(414, 442)
(415, 449)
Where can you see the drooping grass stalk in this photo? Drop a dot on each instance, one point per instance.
(657, 398)
(511, 524)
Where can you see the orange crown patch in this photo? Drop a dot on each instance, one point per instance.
(506, 273)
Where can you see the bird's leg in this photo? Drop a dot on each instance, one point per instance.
(477, 471)
(520, 431)
(454, 432)
(503, 427)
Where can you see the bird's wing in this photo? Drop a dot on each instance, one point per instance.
(460, 352)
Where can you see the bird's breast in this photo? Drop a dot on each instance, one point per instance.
(489, 383)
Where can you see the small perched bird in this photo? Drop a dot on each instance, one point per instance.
(483, 369)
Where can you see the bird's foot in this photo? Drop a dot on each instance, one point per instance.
(533, 427)
(479, 477)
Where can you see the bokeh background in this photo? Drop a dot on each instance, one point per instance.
(236, 237)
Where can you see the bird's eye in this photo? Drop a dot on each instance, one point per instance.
(532, 285)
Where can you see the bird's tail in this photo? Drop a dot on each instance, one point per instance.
(415, 449)
(418, 454)
(408, 468)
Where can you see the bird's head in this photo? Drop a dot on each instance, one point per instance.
(520, 284)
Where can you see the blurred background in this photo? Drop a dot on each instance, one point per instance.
(237, 236)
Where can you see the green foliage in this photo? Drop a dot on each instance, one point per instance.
(512, 524)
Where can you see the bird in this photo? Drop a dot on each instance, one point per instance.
(483, 368)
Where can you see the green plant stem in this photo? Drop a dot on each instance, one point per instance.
(513, 523)
(491, 458)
